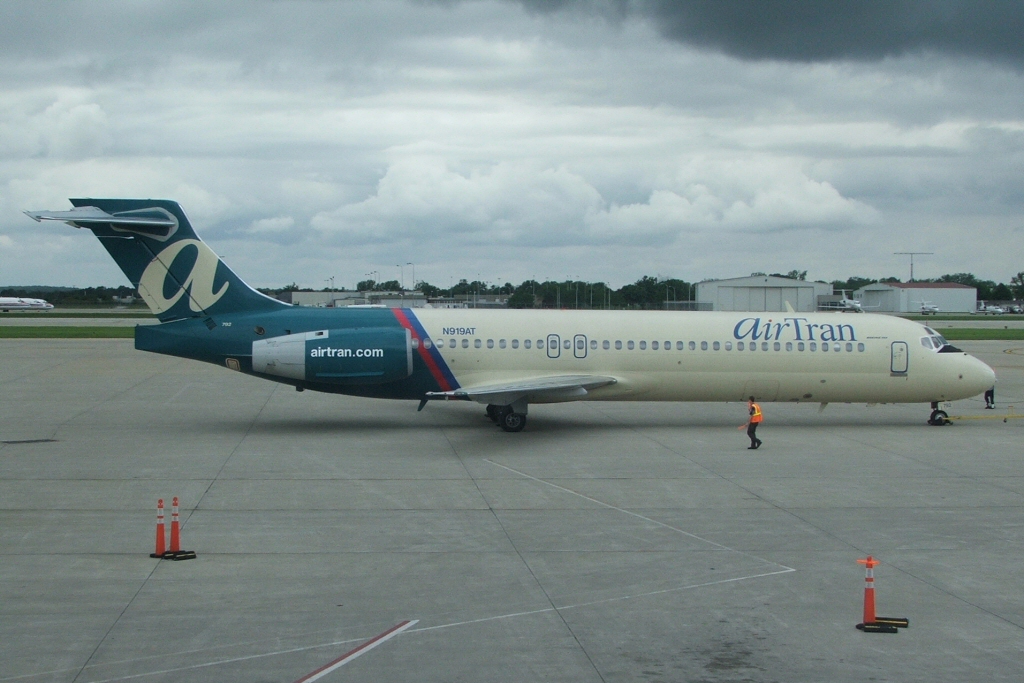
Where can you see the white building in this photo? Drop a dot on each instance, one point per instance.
(907, 297)
(761, 293)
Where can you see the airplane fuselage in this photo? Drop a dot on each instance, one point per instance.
(653, 356)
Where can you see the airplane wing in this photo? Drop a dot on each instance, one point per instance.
(534, 390)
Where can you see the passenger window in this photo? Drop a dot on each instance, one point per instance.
(629, 345)
(813, 346)
(693, 346)
(860, 347)
(618, 345)
(415, 343)
(605, 345)
(836, 347)
(764, 346)
(477, 343)
(465, 343)
(593, 344)
(800, 346)
(824, 346)
(526, 343)
(540, 344)
(740, 346)
(427, 343)
(728, 346)
(849, 347)
(643, 346)
(679, 346)
(654, 346)
(501, 343)
(789, 346)
(515, 343)
(566, 344)
(777, 346)
(580, 344)
(753, 346)
(490, 343)
(716, 346)
(668, 346)
(703, 346)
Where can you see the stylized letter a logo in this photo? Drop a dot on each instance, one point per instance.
(199, 282)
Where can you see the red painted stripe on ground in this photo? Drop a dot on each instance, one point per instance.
(352, 654)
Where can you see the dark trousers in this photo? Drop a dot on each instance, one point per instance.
(751, 428)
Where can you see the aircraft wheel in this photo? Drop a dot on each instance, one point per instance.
(512, 422)
(938, 418)
(492, 412)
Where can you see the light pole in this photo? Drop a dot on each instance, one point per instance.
(410, 263)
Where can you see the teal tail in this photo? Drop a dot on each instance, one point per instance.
(176, 273)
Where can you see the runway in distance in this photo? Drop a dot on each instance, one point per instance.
(20, 303)
(510, 359)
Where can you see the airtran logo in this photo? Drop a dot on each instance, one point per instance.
(199, 282)
(331, 352)
(796, 329)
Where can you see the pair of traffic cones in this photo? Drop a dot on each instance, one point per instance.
(174, 552)
(873, 623)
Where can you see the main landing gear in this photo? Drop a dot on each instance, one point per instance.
(938, 417)
(506, 417)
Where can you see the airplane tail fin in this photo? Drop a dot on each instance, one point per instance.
(152, 241)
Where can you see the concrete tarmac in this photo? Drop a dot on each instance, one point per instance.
(607, 542)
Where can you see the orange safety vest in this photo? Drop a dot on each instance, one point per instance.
(755, 416)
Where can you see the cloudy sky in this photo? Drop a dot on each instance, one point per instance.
(509, 140)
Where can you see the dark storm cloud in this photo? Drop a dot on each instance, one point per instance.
(812, 30)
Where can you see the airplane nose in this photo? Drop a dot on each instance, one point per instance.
(978, 375)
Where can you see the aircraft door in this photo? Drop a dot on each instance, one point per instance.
(579, 346)
(900, 358)
(554, 346)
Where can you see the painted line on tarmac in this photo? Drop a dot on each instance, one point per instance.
(691, 586)
(352, 654)
(639, 516)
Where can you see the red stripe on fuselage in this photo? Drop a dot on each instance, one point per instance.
(435, 371)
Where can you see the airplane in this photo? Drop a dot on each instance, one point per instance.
(985, 309)
(845, 305)
(509, 359)
(928, 308)
(19, 303)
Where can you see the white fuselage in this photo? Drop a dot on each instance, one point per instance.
(17, 303)
(690, 356)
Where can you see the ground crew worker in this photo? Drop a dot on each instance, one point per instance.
(990, 398)
(755, 419)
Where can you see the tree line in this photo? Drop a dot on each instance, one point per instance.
(646, 293)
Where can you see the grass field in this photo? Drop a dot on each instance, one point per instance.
(979, 334)
(56, 332)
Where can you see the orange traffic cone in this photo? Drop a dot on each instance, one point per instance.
(873, 623)
(160, 537)
(175, 533)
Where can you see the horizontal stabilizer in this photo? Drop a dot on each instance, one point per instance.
(84, 215)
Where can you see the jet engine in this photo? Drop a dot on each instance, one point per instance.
(369, 355)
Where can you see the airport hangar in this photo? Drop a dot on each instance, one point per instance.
(907, 297)
(761, 293)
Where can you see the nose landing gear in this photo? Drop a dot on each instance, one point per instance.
(938, 417)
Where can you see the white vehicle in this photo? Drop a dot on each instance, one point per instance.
(17, 303)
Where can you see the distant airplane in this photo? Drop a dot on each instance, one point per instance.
(985, 309)
(928, 308)
(17, 303)
(508, 359)
(846, 305)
